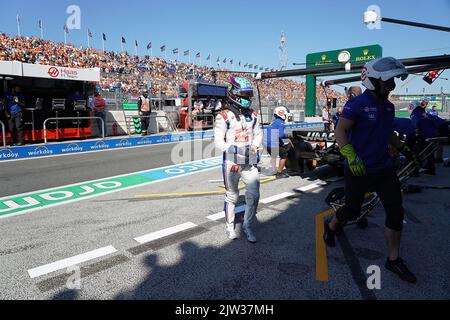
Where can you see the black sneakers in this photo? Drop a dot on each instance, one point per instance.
(328, 234)
(399, 268)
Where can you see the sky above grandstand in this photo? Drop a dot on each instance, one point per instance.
(246, 31)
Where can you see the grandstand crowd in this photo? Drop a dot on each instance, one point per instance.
(129, 73)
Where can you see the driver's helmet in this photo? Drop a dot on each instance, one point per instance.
(281, 112)
(241, 92)
(383, 69)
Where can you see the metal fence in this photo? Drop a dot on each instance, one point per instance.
(70, 118)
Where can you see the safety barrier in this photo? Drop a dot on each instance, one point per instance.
(169, 121)
(3, 133)
(71, 118)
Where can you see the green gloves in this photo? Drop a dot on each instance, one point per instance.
(355, 163)
(411, 156)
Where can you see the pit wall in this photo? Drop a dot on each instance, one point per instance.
(95, 145)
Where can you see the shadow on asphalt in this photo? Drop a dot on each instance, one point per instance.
(280, 266)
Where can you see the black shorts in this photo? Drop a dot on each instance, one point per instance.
(386, 184)
(282, 151)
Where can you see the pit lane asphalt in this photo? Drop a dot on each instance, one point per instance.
(37, 174)
(201, 263)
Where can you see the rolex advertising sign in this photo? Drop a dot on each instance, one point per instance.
(346, 56)
(343, 56)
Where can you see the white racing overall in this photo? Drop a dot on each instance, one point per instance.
(235, 139)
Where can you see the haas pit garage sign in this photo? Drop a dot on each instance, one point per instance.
(53, 72)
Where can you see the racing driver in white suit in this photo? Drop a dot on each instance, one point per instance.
(238, 135)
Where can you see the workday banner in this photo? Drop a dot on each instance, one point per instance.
(53, 149)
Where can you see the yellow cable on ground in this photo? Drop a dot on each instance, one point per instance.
(193, 193)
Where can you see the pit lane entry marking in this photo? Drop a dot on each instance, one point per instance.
(32, 201)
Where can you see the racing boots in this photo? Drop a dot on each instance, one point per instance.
(231, 233)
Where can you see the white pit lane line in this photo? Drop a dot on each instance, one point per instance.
(312, 186)
(289, 194)
(72, 261)
(221, 215)
(69, 262)
(276, 197)
(165, 232)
